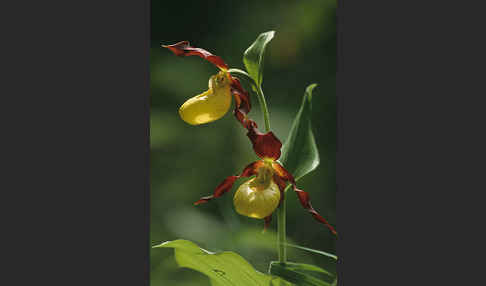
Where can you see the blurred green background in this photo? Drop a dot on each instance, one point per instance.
(188, 162)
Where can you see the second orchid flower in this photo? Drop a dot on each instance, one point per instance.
(259, 197)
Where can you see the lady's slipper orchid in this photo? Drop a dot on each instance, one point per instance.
(260, 196)
(215, 102)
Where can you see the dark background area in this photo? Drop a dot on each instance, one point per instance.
(188, 162)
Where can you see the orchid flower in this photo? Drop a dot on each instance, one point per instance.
(214, 103)
(260, 196)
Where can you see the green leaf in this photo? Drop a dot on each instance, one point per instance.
(299, 152)
(299, 267)
(223, 268)
(313, 250)
(253, 56)
(299, 278)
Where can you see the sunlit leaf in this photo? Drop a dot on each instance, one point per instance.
(253, 56)
(297, 277)
(222, 268)
(299, 152)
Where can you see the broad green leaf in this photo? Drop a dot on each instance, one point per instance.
(253, 56)
(313, 250)
(223, 268)
(299, 152)
(293, 276)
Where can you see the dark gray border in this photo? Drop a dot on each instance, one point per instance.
(76, 163)
(78, 80)
(339, 138)
(409, 126)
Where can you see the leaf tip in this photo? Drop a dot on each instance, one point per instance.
(308, 91)
(271, 34)
(160, 244)
(310, 87)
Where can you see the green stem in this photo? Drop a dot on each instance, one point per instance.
(263, 106)
(281, 243)
(281, 238)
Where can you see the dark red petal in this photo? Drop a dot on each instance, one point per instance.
(265, 145)
(184, 49)
(227, 184)
(305, 202)
(267, 219)
(282, 173)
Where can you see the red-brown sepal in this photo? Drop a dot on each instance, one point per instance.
(183, 49)
(251, 169)
(305, 202)
(283, 173)
(227, 184)
(222, 188)
(265, 145)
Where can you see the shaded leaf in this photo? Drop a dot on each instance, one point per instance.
(223, 268)
(299, 267)
(253, 56)
(313, 250)
(296, 277)
(299, 152)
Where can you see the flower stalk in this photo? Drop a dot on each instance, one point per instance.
(264, 108)
(281, 239)
(281, 210)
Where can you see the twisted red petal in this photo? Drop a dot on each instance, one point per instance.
(304, 197)
(265, 145)
(305, 202)
(243, 101)
(244, 119)
(227, 184)
(183, 49)
(243, 104)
